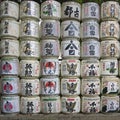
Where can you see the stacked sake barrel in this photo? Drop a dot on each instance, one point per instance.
(70, 52)
(109, 35)
(90, 53)
(50, 51)
(29, 57)
(9, 53)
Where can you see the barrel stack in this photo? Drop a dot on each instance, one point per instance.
(70, 53)
(9, 54)
(90, 54)
(50, 52)
(29, 57)
(110, 52)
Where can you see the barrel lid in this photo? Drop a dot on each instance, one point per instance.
(41, 1)
(61, 1)
(79, 1)
(38, 1)
(16, 1)
(110, 0)
(96, 1)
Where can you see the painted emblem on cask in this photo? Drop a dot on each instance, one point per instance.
(28, 89)
(6, 47)
(71, 68)
(111, 88)
(70, 106)
(7, 87)
(49, 9)
(71, 87)
(112, 10)
(49, 67)
(7, 67)
(27, 49)
(112, 106)
(71, 47)
(92, 88)
(26, 9)
(112, 50)
(49, 107)
(93, 107)
(6, 24)
(27, 29)
(69, 11)
(93, 11)
(49, 48)
(92, 50)
(30, 106)
(28, 70)
(6, 8)
(91, 70)
(111, 68)
(92, 30)
(112, 30)
(49, 29)
(8, 106)
(71, 28)
(49, 87)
